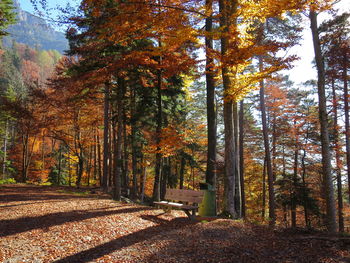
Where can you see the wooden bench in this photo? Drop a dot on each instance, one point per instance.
(190, 199)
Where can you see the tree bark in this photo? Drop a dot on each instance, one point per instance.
(99, 153)
(270, 177)
(118, 146)
(227, 8)
(241, 157)
(347, 121)
(5, 149)
(182, 171)
(295, 179)
(134, 192)
(210, 83)
(156, 187)
(106, 145)
(263, 190)
(323, 116)
(337, 160)
(125, 179)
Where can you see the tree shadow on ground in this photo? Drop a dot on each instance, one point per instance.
(19, 225)
(207, 243)
(128, 240)
(33, 193)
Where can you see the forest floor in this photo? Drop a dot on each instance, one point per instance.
(50, 224)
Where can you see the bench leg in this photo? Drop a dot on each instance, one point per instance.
(166, 209)
(192, 216)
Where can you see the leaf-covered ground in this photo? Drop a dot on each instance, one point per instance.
(46, 224)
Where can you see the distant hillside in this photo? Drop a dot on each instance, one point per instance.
(35, 32)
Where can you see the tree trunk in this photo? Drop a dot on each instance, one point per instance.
(99, 153)
(80, 171)
(211, 114)
(182, 171)
(118, 146)
(111, 157)
(69, 171)
(59, 165)
(134, 192)
(125, 181)
(295, 179)
(25, 150)
(106, 139)
(238, 201)
(241, 157)
(347, 121)
(263, 190)
(5, 149)
(95, 156)
(338, 159)
(270, 177)
(323, 116)
(305, 203)
(227, 8)
(156, 187)
(144, 177)
(164, 177)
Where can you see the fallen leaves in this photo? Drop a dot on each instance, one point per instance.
(40, 224)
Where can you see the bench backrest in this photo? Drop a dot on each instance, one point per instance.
(183, 195)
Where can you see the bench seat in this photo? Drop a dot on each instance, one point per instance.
(189, 198)
(177, 205)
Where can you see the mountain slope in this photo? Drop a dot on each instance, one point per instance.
(35, 32)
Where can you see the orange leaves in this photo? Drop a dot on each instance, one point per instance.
(30, 72)
(171, 141)
(175, 138)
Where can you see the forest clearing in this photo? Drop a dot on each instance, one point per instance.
(57, 224)
(185, 104)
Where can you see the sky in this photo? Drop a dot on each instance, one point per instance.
(27, 6)
(302, 70)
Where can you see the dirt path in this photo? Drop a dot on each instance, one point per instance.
(45, 224)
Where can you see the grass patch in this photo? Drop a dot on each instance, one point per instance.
(80, 193)
(7, 181)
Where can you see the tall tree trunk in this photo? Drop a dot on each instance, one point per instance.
(211, 114)
(106, 139)
(134, 192)
(238, 201)
(182, 171)
(118, 146)
(125, 181)
(80, 170)
(99, 153)
(59, 165)
(337, 160)
(295, 179)
(164, 177)
(111, 159)
(156, 187)
(263, 190)
(69, 171)
(89, 166)
(144, 177)
(227, 8)
(274, 142)
(305, 202)
(43, 152)
(5, 149)
(241, 157)
(323, 116)
(25, 146)
(347, 121)
(270, 177)
(95, 156)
